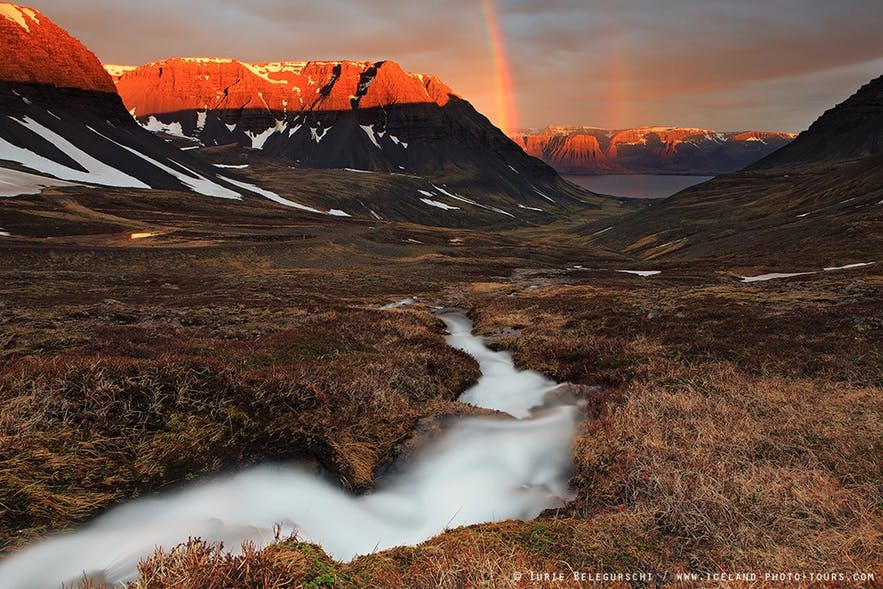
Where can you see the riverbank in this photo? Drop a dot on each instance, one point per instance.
(702, 373)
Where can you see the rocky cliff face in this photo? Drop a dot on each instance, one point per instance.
(648, 150)
(201, 84)
(63, 120)
(339, 114)
(37, 51)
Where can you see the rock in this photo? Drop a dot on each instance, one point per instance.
(36, 50)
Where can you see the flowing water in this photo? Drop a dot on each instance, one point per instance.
(479, 470)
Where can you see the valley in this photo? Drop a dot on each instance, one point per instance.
(323, 324)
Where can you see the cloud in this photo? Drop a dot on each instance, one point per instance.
(600, 62)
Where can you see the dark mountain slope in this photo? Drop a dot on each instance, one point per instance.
(818, 200)
(344, 114)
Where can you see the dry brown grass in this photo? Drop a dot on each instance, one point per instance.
(740, 427)
(737, 472)
(135, 409)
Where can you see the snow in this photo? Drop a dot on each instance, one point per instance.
(97, 171)
(439, 205)
(155, 125)
(15, 183)
(369, 131)
(602, 231)
(270, 195)
(375, 215)
(261, 96)
(514, 170)
(116, 71)
(258, 140)
(547, 197)
(17, 15)
(231, 166)
(207, 59)
(338, 213)
(772, 276)
(263, 73)
(4, 233)
(357, 171)
(641, 273)
(849, 266)
(426, 192)
(294, 130)
(668, 243)
(277, 67)
(531, 208)
(201, 119)
(197, 183)
(230, 127)
(468, 201)
(318, 138)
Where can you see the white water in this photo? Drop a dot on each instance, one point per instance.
(479, 470)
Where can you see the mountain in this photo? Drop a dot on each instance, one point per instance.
(370, 116)
(648, 150)
(817, 200)
(64, 124)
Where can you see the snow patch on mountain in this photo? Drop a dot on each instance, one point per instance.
(97, 172)
(156, 126)
(116, 71)
(194, 181)
(439, 205)
(19, 15)
(258, 140)
(369, 131)
(17, 183)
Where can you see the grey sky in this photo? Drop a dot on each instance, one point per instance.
(730, 65)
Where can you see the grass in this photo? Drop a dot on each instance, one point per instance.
(132, 410)
(737, 426)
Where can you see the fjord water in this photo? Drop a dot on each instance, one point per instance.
(479, 470)
(637, 185)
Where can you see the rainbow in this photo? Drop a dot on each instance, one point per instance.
(507, 117)
(618, 93)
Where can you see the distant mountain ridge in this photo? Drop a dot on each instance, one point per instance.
(819, 198)
(648, 150)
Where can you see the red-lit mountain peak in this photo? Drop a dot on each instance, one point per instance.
(35, 50)
(179, 84)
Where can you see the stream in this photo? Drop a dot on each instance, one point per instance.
(480, 469)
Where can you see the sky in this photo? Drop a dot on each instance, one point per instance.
(720, 64)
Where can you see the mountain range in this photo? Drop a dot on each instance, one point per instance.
(648, 150)
(238, 132)
(356, 115)
(326, 140)
(818, 198)
(63, 122)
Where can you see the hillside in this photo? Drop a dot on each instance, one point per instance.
(816, 200)
(368, 116)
